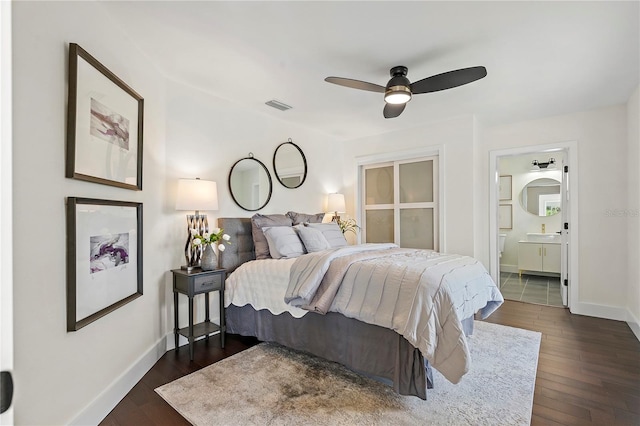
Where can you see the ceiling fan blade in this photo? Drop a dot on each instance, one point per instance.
(448, 80)
(393, 110)
(355, 84)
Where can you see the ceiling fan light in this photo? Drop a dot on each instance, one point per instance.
(397, 95)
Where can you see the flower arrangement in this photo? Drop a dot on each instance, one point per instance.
(348, 225)
(216, 237)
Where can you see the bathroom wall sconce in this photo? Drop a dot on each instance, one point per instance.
(549, 165)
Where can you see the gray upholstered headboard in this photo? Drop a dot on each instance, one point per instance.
(241, 248)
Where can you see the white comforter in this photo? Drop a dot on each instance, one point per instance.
(420, 294)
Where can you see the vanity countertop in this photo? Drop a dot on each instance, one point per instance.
(539, 242)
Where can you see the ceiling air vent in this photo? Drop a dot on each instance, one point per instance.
(278, 105)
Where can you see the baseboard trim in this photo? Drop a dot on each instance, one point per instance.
(634, 324)
(600, 311)
(102, 405)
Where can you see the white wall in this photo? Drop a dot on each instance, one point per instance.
(59, 373)
(633, 206)
(457, 137)
(602, 187)
(206, 135)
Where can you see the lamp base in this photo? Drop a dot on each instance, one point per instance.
(188, 268)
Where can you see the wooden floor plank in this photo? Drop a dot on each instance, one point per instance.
(588, 371)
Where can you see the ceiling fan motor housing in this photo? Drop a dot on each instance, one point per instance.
(398, 89)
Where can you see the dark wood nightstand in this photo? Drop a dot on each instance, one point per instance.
(192, 284)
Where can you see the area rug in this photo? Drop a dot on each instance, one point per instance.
(272, 385)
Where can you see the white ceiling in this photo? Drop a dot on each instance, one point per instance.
(542, 58)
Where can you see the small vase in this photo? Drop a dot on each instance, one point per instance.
(209, 260)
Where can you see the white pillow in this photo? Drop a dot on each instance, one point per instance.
(283, 241)
(331, 232)
(313, 239)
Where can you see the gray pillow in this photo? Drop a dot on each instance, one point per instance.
(299, 218)
(283, 242)
(331, 232)
(259, 221)
(313, 239)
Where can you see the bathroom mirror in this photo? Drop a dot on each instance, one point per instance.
(250, 183)
(541, 197)
(290, 165)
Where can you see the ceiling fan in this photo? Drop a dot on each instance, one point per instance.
(399, 90)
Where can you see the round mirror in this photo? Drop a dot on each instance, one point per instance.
(541, 197)
(290, 165)
(250, 183)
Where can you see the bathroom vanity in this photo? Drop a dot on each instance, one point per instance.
(539, 257)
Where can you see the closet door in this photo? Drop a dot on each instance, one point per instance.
(400, 203)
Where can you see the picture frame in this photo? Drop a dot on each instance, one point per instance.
(104, 258)
(505, 216)
(504, 188)
(104, 125)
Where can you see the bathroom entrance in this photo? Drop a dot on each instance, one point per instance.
(531, 202)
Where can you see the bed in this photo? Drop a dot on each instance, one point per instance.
(313, 320)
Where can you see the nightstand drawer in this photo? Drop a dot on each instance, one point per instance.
(207, 283)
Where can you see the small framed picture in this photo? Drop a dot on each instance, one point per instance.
(104, 258)
(104, 125)
(504, 192)
(505, 216)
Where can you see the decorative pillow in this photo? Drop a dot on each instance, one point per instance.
(313, 239)
(331, 232)
(283, 241)
(259, 221)
(299, 218)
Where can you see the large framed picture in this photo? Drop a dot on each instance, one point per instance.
(104, 125)
(104, 258)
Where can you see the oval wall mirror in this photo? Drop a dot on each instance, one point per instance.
(541, 197)
(289, 165)
(250, 183)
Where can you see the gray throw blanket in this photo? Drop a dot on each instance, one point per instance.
(420, 294)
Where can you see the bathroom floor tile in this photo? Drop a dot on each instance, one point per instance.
(531, 288)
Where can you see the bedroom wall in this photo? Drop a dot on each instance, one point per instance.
(457, 137)
(602, 186)
(633, 159)
(58, 374)
(206, 135)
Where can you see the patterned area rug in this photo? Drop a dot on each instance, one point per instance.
(271, 385)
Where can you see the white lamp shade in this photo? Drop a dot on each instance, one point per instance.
(335, 203)
(197, 194)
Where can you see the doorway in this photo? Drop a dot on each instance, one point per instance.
(533, 238)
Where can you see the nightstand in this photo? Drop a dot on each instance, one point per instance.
(191, 284)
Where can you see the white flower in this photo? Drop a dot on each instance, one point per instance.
(226, 237)
(215, 230)
(193, 231)
(197, 241)
(206, 235)
(221, 247)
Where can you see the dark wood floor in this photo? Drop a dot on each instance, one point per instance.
(588, 371)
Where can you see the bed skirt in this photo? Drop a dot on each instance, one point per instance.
(374, 351)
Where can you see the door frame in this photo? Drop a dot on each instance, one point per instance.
(6, 206)
(571, 150)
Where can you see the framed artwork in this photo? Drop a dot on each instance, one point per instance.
(104, 125)
(504, 192)
(505, 216)
(104, 258)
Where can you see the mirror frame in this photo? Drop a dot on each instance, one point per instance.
(520, 194)
(304, 161)
(250, 157)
